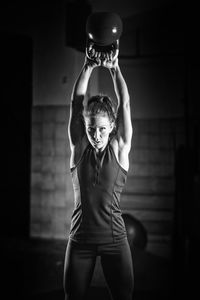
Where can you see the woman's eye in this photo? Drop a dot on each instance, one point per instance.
(103, 129)
(90, 129)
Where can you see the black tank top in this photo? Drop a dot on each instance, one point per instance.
(97, 183)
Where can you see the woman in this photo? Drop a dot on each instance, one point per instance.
(100, 141)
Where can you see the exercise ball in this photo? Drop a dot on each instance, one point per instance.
(136, 233)
(104, 28)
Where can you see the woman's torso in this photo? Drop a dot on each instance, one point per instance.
(98, 182)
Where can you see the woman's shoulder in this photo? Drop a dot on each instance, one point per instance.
(121, 154)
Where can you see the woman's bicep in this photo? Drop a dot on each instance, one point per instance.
(124, 121)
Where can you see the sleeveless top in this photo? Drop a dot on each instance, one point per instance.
(97, 183)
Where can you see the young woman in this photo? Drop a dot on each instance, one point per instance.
(100, 140)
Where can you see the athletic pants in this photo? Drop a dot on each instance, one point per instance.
(116, 261)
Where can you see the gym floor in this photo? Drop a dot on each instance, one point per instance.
(33, 269)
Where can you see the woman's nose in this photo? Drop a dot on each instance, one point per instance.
(97, 134)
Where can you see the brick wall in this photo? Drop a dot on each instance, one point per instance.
(51, 189)
(149, 192)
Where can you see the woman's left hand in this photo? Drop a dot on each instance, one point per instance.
(109, 62)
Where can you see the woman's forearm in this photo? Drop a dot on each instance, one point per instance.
(120, 85)
(81, 84)
(124, 110)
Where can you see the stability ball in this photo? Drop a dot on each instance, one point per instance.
(136, 233)
(104, 28)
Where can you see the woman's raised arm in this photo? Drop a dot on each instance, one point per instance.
(124, 112)
(75, 125)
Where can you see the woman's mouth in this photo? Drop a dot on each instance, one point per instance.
(96, 143)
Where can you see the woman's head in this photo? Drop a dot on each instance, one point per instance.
(99, 118)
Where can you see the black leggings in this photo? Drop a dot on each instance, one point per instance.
(116, 261)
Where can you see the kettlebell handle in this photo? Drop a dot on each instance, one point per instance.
(111, 50)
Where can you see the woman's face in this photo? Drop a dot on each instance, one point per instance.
(98, 129)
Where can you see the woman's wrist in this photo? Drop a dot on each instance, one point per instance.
(87, 66)
(114, 69)
(87, 69)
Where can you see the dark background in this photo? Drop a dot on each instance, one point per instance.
(22, 255)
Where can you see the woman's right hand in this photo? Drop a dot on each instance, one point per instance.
(95, 60)
(93, 63)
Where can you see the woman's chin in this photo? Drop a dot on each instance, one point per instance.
(98, 146)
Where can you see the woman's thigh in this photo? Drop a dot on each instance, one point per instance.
(78, 270)
(118, 270)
